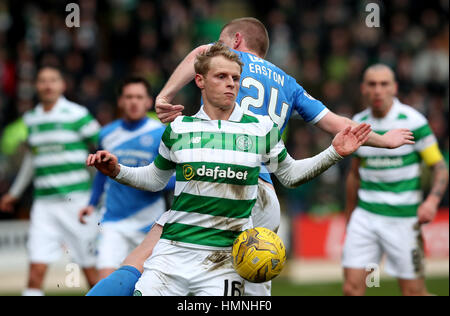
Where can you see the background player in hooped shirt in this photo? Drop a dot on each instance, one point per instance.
(60, 135)
(128, 212)
(211, 208)
(385, 204)
(261, 92)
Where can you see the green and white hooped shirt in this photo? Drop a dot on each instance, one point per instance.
(59, 142)
(217, 167)
(390, 178)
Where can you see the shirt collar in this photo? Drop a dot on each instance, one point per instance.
(58, 103)
(235, 116)
(133, 125)
(392, 111)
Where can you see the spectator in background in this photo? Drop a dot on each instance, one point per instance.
(60, 132)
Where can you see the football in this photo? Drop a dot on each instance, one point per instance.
(258, 254)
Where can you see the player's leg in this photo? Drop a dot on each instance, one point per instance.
(119, 283)
(167, 271)
(122, 281)
(80, 239)
(43, 244)
(91, 275)
(361, 251)
(354, 282)
(415, 287)
(35, 279)
(403, 243)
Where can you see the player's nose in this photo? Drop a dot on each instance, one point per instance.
(230, 82)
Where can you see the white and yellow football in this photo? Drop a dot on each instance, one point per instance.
(258, 254)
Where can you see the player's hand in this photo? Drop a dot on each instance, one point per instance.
(398, 137)
(85, 212)
(426, 212)
(350, 139)
(7, 203)
(105, 162)
(166, 111)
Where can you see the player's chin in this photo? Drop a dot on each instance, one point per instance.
(229, 102)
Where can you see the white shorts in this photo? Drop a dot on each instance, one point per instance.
(265, 213)
(54, 227)
(370, 235)
(115, 245)
(174, 270)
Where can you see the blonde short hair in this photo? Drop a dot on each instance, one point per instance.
(202, 62)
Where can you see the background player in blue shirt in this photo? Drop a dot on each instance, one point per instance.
(128, 213)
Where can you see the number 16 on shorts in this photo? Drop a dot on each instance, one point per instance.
(233, 288)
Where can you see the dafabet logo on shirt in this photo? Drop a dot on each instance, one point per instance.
(189, 172)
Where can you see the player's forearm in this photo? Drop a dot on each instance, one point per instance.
(182, 75)
(440, 181)
(375, 140)
(333, 124)
(24, 176)
(292, 173)
(148, 178)
(98, 187)
(351, 195)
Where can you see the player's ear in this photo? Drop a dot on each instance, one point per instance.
(63, 86)
(199, 81)
(120, 102)
(395, 88)
(362, 88)
(237, 40)
(149, 104)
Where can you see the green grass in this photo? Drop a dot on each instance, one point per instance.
(283, 287)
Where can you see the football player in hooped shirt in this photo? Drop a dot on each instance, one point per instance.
(217, 181)
(264, 89)
(128, 213)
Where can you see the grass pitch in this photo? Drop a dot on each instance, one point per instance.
(388, 287)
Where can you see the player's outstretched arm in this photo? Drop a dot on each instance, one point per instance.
(428, 208)
(98, 187)
(149, 178)
(21, 182)
(293, 173)
(105, 162)
(183, 74)
(333, 123)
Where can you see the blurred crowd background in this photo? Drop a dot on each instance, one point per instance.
(325, 45)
